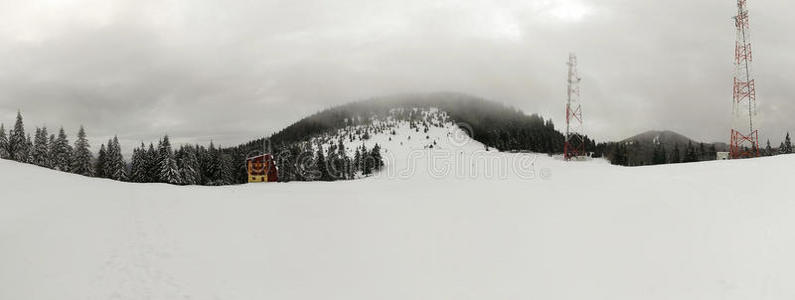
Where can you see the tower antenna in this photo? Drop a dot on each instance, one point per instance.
(744, 137)
(575, 139)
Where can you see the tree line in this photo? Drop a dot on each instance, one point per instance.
(636, 154)
(187, 165)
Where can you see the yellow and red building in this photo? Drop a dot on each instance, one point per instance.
(262, 168)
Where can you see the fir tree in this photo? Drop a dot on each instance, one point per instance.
(3, 143)
(768, 149)
(169, 173)
(368, 161)
(41, 149)
(61, 152)
(138, 169)
(101, 162)
(17, 143)
(378, 161)
(115, 167)
(188, 165)
(51, 151)
(357, 161)
(29, 147)
(321, 165)
(81, 156)
(152, 164)
(223, 168)
(787, 144)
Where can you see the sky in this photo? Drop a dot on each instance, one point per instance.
(233, 71)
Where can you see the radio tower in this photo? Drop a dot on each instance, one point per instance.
(575, 140)
(744, 138)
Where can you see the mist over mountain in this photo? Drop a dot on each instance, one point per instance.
(491, 123)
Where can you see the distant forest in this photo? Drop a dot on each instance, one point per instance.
(493, 124)
(163, 163)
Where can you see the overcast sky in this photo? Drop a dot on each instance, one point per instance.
(231, 71)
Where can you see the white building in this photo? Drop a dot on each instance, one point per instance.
(722, 155)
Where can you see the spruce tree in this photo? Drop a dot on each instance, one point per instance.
(17, 143)
(152, 164)
(29, 147)
(210, 165)
(321, 165)
(115, 167)
(138, 170)
(81, 155)
(51, 151)
(3, 143)
(357, 160)
(222, 168)
(787, 144)
(41, 149)
(368, 161)
(377, 159)
(169, 173)
(101, 162)
(768, 149)
(188, 165)
(61, 152)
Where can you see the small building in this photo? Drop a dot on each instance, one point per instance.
(262, 168)
(722, 155)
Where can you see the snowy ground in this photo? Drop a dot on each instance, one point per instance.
(545, 230)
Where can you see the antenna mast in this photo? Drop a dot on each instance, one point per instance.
(575, 140)
(744, 140)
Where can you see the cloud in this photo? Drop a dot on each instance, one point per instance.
(236, 70)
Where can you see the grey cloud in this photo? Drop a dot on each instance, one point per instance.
(236, 70)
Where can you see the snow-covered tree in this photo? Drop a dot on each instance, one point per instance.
(138, 172)
(357, 160)
(787, 145)
(3, 143)
(61, 152)
(321, 165)
(115, 167)
(188, 165)
(29, 146)
(101, 162)
(152, 164)
(169, 173)
(81, 156)
(768, 149)
(41, 149)
(17, 143)
(377, 158)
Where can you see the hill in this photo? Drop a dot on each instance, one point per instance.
(667, 138)
(660, 147)
(488, 122)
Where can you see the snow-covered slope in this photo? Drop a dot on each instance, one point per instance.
(431, 147)
(546, 230)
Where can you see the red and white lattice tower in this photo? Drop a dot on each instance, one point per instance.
(744, 138)
(575, 139)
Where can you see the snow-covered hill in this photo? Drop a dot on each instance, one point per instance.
(466, 224)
